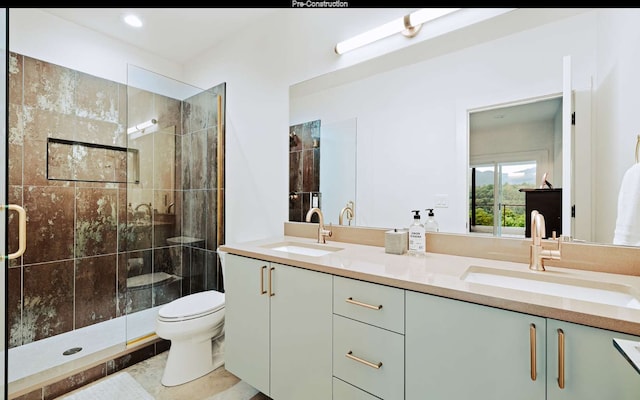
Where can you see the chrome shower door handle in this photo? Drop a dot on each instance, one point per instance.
(22, 230)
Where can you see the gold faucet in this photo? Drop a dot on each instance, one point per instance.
(538, 254)
(348, 209)
(322, 233)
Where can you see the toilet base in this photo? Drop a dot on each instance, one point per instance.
(188, 361)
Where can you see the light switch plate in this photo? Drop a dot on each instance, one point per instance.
(442, 200)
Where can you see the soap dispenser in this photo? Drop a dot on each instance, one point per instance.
(431, 225)
(416, 236)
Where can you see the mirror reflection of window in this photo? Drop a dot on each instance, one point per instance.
(497, 203)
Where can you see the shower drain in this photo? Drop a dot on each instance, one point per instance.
(71, 351)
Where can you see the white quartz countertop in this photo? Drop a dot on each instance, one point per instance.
(443, 275)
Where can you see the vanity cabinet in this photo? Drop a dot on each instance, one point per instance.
(460, 350)
(278, 328)
(368, 340)
(593, 368)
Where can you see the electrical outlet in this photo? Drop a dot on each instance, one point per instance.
(442, 200)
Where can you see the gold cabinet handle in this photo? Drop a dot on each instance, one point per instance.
(532, 349)
(365, 362)
(22, 230)
(262, 291)
(361, 304)
(270, 279)
(560, 359)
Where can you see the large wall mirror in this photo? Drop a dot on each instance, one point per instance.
(416, 145)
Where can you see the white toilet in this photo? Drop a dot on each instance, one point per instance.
(195, 326)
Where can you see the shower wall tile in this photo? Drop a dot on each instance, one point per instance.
(15, 197)
(96, 221)
(14, 307)
(211, 166)
(95, 294)
(200, 111)
(180, 164)
(310, 177)
(140, 106)
(197, 270)
(49, 87)
(212, 220)
(168, 113)
(197, 160)
(295, 139)
(295, 171)
(73, 382)
(133, 264)
(16, 144)
(98, 100)
(214, 280)
(195, 208)
(164, 155)
(50, 225)
(15, 85)
(48, 300)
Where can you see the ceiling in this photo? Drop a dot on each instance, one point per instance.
(176, 34)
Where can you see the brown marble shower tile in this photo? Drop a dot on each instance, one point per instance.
(73, 382)
(308, 132)
(140, 106)
(49, 86)
(130, 359)
(295, 171)
(50, 223)
(214, 279)
(15, 197)
(96, 99)
(35, 157)
(14, 307)
(164, 156)
(212, 219)
(130, 265)
(198, 160)
(15, 69)
(198, 270)
(295, 207)
(212, 159)
(168, 113)
(202, 111)
(194, 211)
(16, 144)
(180, 163)
(144, 145)
(295, 138)
(96, 219)
(48, 300)
(95, 294)
(309, 182)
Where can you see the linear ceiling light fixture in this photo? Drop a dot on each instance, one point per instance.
(409, 25)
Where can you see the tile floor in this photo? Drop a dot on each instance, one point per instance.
(149, 372)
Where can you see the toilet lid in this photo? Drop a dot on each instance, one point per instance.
(193, 305)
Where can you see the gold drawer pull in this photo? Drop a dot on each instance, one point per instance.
(262, 291)
(359, 303)
(365, 362)
(532, 349)
(560, 359)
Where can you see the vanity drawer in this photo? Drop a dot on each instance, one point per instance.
(344, 391)
(368, 357)
(374, 304)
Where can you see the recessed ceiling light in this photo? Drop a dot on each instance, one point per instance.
(133, 20)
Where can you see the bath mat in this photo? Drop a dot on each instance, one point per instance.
(239, 391)
(119, 386)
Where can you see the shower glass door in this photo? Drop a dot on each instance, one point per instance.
(174, 195)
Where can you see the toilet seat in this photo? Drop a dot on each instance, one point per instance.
(195, 305)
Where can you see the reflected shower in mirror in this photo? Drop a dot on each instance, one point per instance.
(322, 170)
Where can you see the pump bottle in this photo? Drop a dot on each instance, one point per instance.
(416, 236)
(431, 225)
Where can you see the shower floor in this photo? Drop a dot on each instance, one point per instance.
(41, 360)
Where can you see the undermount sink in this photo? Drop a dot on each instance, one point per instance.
(549, 284)
(305, 249)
